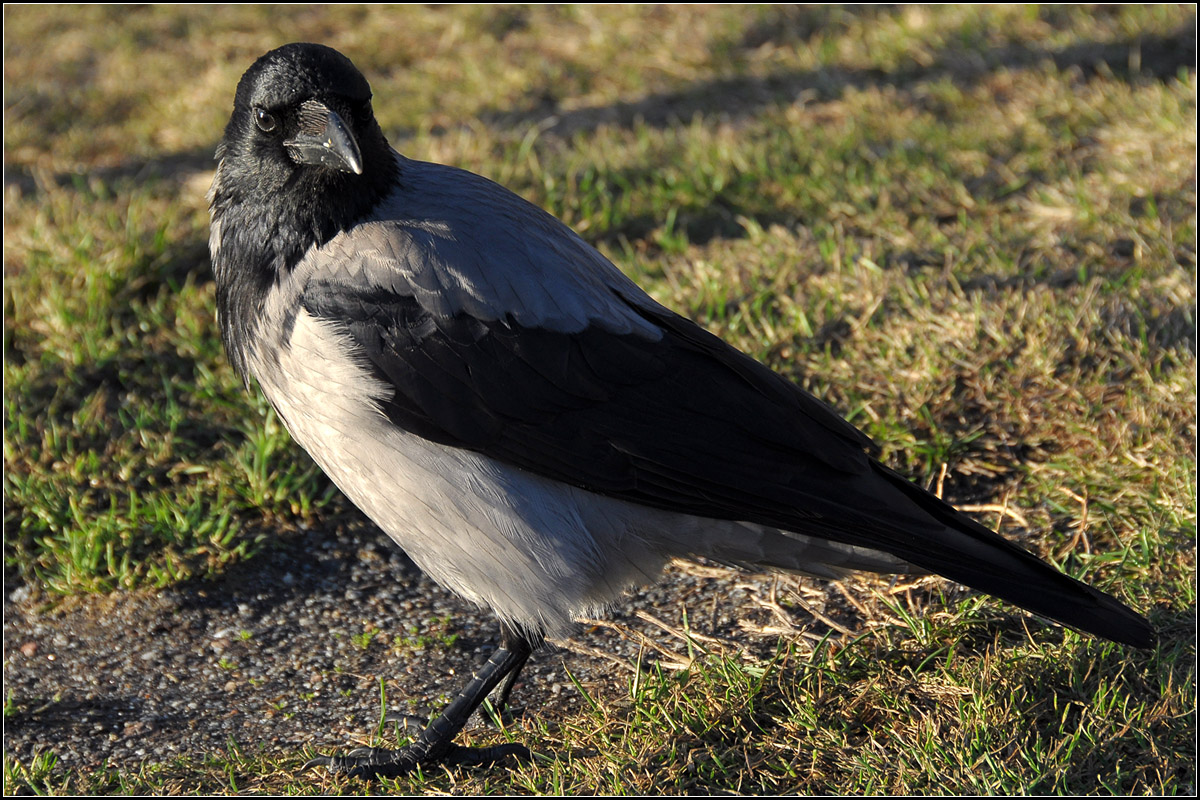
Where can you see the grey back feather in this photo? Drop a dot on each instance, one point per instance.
(516, 262)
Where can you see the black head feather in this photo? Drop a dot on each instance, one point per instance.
(268, 208)
(297, 72)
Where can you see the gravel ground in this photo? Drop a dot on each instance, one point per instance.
(272, 653)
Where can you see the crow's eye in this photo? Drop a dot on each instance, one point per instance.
(266, 121)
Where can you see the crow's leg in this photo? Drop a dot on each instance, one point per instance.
(512, 639)
(435, 743)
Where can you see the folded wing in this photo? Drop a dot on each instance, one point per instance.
(621, 397)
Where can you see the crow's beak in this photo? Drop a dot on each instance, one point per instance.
(324, 139)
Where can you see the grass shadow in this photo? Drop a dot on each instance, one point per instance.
(739, 97)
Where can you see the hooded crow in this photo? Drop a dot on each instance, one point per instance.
(534, 430)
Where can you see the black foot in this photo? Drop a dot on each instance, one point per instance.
(370, 762)
(410, 723)
(434, 744)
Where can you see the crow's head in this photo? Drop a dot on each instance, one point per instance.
(302, 160)
(303, 145)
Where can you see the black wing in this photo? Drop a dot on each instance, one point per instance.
(685, 423)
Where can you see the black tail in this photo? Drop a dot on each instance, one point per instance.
(971, 554)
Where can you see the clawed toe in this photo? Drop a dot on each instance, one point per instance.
(371, 762)
(460, 756)
(367, 762)
(409, 722)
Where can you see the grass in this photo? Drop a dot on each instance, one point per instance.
(972, 230)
